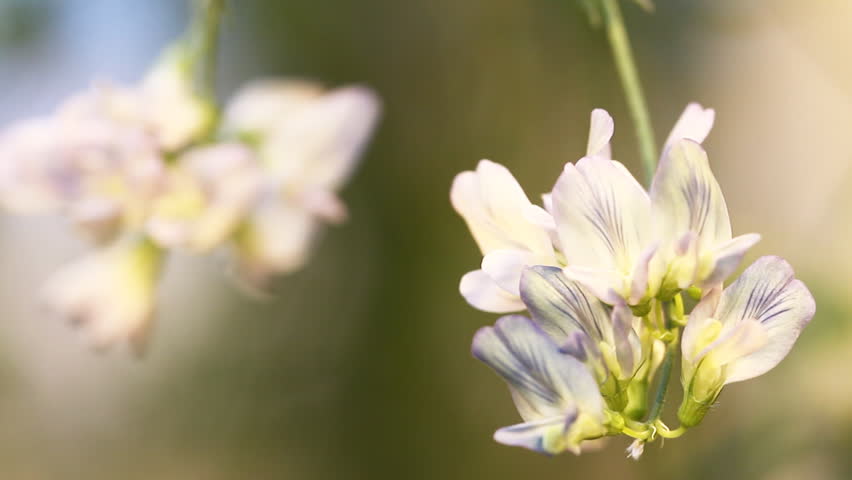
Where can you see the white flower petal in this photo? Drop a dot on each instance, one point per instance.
(600, 133)
(495, 208)
(602, 215)
(505, 267)
(768, 293)
(694, 124)
(686, 197)
(483, 293)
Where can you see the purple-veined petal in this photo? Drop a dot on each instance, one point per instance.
(685, 197)
(601, 283)
(560, 306)
(768, 293)
(602, 215)
(549, 382)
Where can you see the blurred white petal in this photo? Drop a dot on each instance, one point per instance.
(111, 293)
(206, 197)
(277, 238)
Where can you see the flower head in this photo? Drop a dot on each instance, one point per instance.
(622, 242)
(308, 141)
(555, 394)
(110, 293)
(741, 332)
(100, 158)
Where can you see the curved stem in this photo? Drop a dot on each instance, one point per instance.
(626, 66)
(202, 42)
(665, 432)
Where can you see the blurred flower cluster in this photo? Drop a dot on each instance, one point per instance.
(155, 167)
(606, 272)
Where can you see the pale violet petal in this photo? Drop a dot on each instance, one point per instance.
(685, 197)
(694, 124)
(600, 133)
(505, 267)
(628, 348)
(602, 215)
(727, 258)
(531, 363)
(767, 292)
(543, 436)
(560, 306)
(481, 292)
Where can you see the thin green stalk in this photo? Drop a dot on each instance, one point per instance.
(626, 66)
(202, 42)
(663, 385)
(667, 365)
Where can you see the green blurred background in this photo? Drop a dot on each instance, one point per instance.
(359, 367)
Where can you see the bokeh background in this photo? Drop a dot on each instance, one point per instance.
(359, 366)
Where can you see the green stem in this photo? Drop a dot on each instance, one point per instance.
(202, 43)
(663, 385)
(626, 66)
(667, 365)
(663, 430)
